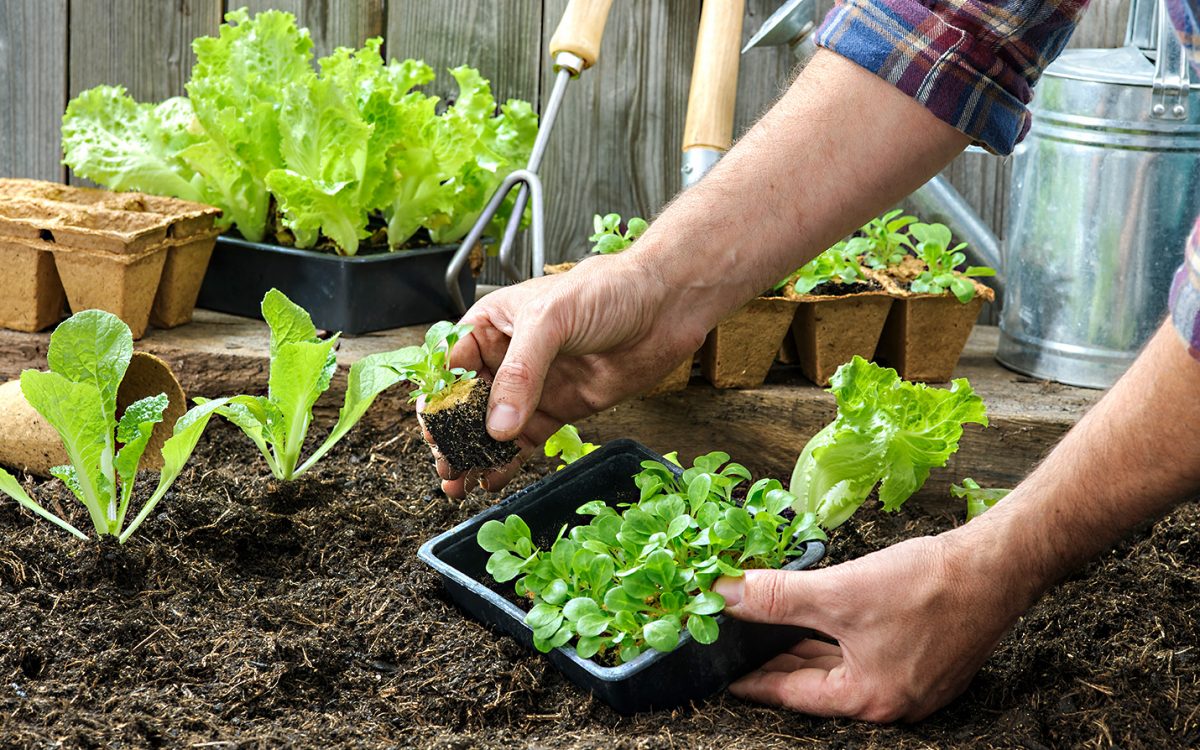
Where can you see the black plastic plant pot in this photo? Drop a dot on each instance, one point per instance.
(354, 295)
(652, 681)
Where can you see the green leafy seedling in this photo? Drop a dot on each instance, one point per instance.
(88, 356)
(885, 240)
(839, 264)
(426, 366)
(608, 237)
(302, 366)
(637, 577)
(979, 499)
(568, 446)
(941, 261)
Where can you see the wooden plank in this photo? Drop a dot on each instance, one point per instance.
(501, 38)
(33, 83)
(617, 143)
(765, 72)
(764, 428)
(1102, 25)
(346, 23)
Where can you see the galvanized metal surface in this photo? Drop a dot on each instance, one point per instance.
(1108, 195)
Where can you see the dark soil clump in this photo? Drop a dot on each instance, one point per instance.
(837, 289)
(250, 613)
(460, 432)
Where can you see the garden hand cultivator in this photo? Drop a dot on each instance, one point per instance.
(574, 47)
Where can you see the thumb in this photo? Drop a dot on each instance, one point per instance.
(517, 386)
(783, 597)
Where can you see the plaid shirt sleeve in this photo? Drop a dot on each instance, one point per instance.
(972, 63)
(1185, 291)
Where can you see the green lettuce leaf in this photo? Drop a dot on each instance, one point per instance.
(978, 498)
(134, 431)
(889, 434)
(11, 487)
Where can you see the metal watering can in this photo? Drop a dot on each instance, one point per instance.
(1104, 191)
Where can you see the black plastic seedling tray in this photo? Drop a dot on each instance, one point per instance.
(654, 680)
(354, 295)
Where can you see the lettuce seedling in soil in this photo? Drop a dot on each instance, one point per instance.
(455, 405)
(302, 366)
(888, 434)
(979, 499)
(88, 356)
(941, 261)
(567, 445)
(636, 578)
(885, 241)
(608, 236)
(835, 271)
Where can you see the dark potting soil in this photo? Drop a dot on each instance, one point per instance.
(836, 289)
(460, 432)
(253, 614)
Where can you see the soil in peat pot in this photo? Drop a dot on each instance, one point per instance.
(457, 422)
(261, 614)
(838, 289)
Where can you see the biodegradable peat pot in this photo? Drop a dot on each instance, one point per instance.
(33, 296)
(653, 680)
(122, 284)
(739, 352)
(352, 294)
(925, 333)
(676, 380)
(182, 274)
(830, 330)
(28, 442)
(457, 422)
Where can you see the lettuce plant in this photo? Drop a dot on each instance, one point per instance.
(637, 578)
(941, 260)
(426, 366)
(88, 356)
(885, 243)
(978, 498)
(302, 366)
(608, 237)
(888, 435)
(567, 445)
(839, 264)
(336, 147)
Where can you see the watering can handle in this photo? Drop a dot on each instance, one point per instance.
(1172, 76)
(580, 31)
(713, 91)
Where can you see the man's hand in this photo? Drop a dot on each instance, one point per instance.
(913, 624)
(561, 347)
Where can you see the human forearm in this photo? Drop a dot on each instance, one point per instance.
(1129, 460)
(839, 146)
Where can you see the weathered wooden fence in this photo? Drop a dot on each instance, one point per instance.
(615, 148)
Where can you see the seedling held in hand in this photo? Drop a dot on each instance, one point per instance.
(609, 238)
(933, 247)
(88, 356)
(302, 366)
(636, 578)
(455, 405)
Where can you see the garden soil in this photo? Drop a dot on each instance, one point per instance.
(249, 613)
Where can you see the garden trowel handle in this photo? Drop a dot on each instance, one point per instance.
(708, 130)
(580, 31)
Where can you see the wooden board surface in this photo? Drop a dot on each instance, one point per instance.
(765, 428)
(33, 87)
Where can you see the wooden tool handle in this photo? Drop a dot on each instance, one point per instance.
(713, 92)
(581, 29)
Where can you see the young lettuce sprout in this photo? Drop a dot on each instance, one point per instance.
(425, 366)
(933, 247)
(88, 356)
(568, 446)
(637, 578)
(609, 238)
(302, 366)
(839, 264)
(978, 498)
(888, 433)
(885, 242)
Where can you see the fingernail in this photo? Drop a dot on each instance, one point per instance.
(503, 419)
(731, 589)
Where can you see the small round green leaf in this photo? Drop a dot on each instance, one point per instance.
(703, 628)
(661, 635)
(493, 536)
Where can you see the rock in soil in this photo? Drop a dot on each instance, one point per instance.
(254, 614)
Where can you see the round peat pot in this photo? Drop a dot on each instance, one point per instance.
(652, 681)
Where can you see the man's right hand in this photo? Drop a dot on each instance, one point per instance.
(562, 347)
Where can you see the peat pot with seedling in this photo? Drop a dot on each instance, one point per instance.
(935, 307)
(347, 187)
(613, 558)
